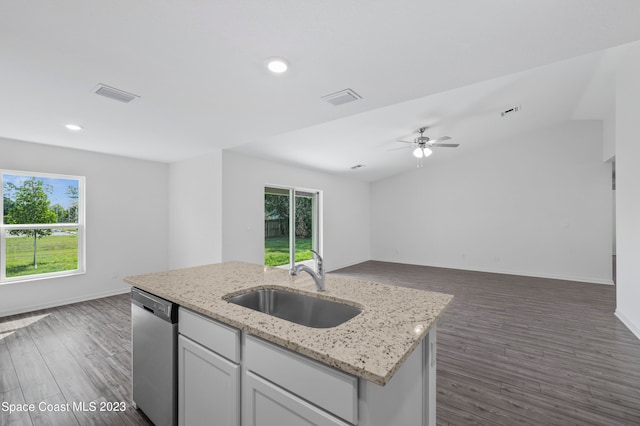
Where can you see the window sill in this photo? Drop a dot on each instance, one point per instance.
(29, 278)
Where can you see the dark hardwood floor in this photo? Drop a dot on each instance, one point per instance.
(518, 350)
(77, 353)
(511, 350)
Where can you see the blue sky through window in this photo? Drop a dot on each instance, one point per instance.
(58, 185)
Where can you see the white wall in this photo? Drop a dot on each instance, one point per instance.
(609, 136)
(538, 205)
(609, 154)
(195, 211)
(346, 209)
(127, 220)
(628, 190)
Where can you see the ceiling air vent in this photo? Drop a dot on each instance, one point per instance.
(113, 93)
(342, 97)
(510, 110)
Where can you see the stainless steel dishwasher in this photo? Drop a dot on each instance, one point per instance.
(154, 323)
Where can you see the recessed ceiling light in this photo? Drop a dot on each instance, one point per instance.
(73, 127)
(277, 65)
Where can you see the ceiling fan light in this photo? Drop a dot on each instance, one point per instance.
(73, 127)
(418, 153)
(277, 65)
(427, 152)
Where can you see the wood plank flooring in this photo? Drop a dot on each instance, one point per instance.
(518, 350)
(78, 353)
(511, 350)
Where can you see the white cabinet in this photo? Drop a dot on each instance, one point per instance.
(327, 388)
(208, 383)
(258, 383)
(280, 381)
(266, 404)
(220, 338)
(208, 387)
(280, 384)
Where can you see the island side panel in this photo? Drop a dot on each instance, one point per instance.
(408, 398)
(430, 352)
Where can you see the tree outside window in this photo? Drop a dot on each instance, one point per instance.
(42, 225)
(278, 214)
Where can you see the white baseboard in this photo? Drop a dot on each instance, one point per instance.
(346, 265)
(635, 329)
(62, 302)
(589, 280)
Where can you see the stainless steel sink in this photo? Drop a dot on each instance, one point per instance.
(297, 308)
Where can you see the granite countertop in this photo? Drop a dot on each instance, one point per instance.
(372, 346)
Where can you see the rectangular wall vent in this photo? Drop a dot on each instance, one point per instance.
(113, 93)
(342, 97)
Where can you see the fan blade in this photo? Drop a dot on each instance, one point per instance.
(445, 145)
(438, 140)
(400, 140)
(402, 147)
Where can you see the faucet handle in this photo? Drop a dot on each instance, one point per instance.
(318, 260)
(316, 255)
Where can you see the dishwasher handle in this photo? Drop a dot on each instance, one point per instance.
(155, 305)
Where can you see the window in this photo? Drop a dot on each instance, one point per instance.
(42, 229)
(286, 209)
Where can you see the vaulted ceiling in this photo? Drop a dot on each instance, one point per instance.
(198, 67)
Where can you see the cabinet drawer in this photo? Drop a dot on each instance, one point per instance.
(269, 405)
(218, 337)
(326, 387)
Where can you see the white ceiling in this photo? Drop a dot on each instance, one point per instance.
(198, 67)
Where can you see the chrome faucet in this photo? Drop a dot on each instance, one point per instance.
(317, 274)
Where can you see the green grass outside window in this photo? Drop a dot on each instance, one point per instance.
(276, 250)
(55, 253)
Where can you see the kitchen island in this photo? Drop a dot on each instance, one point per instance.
(383, 352)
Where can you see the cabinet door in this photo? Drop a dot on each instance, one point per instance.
(208, 387)
(266, 404)
(327, 388)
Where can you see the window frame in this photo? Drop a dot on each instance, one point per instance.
(316, 237)
(80, 225)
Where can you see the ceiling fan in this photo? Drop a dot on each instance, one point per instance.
(422, 145)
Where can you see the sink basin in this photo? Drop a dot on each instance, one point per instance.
(297, 308)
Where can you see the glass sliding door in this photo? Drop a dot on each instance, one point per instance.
(292, 225)
(306, 227)
(276, 226)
